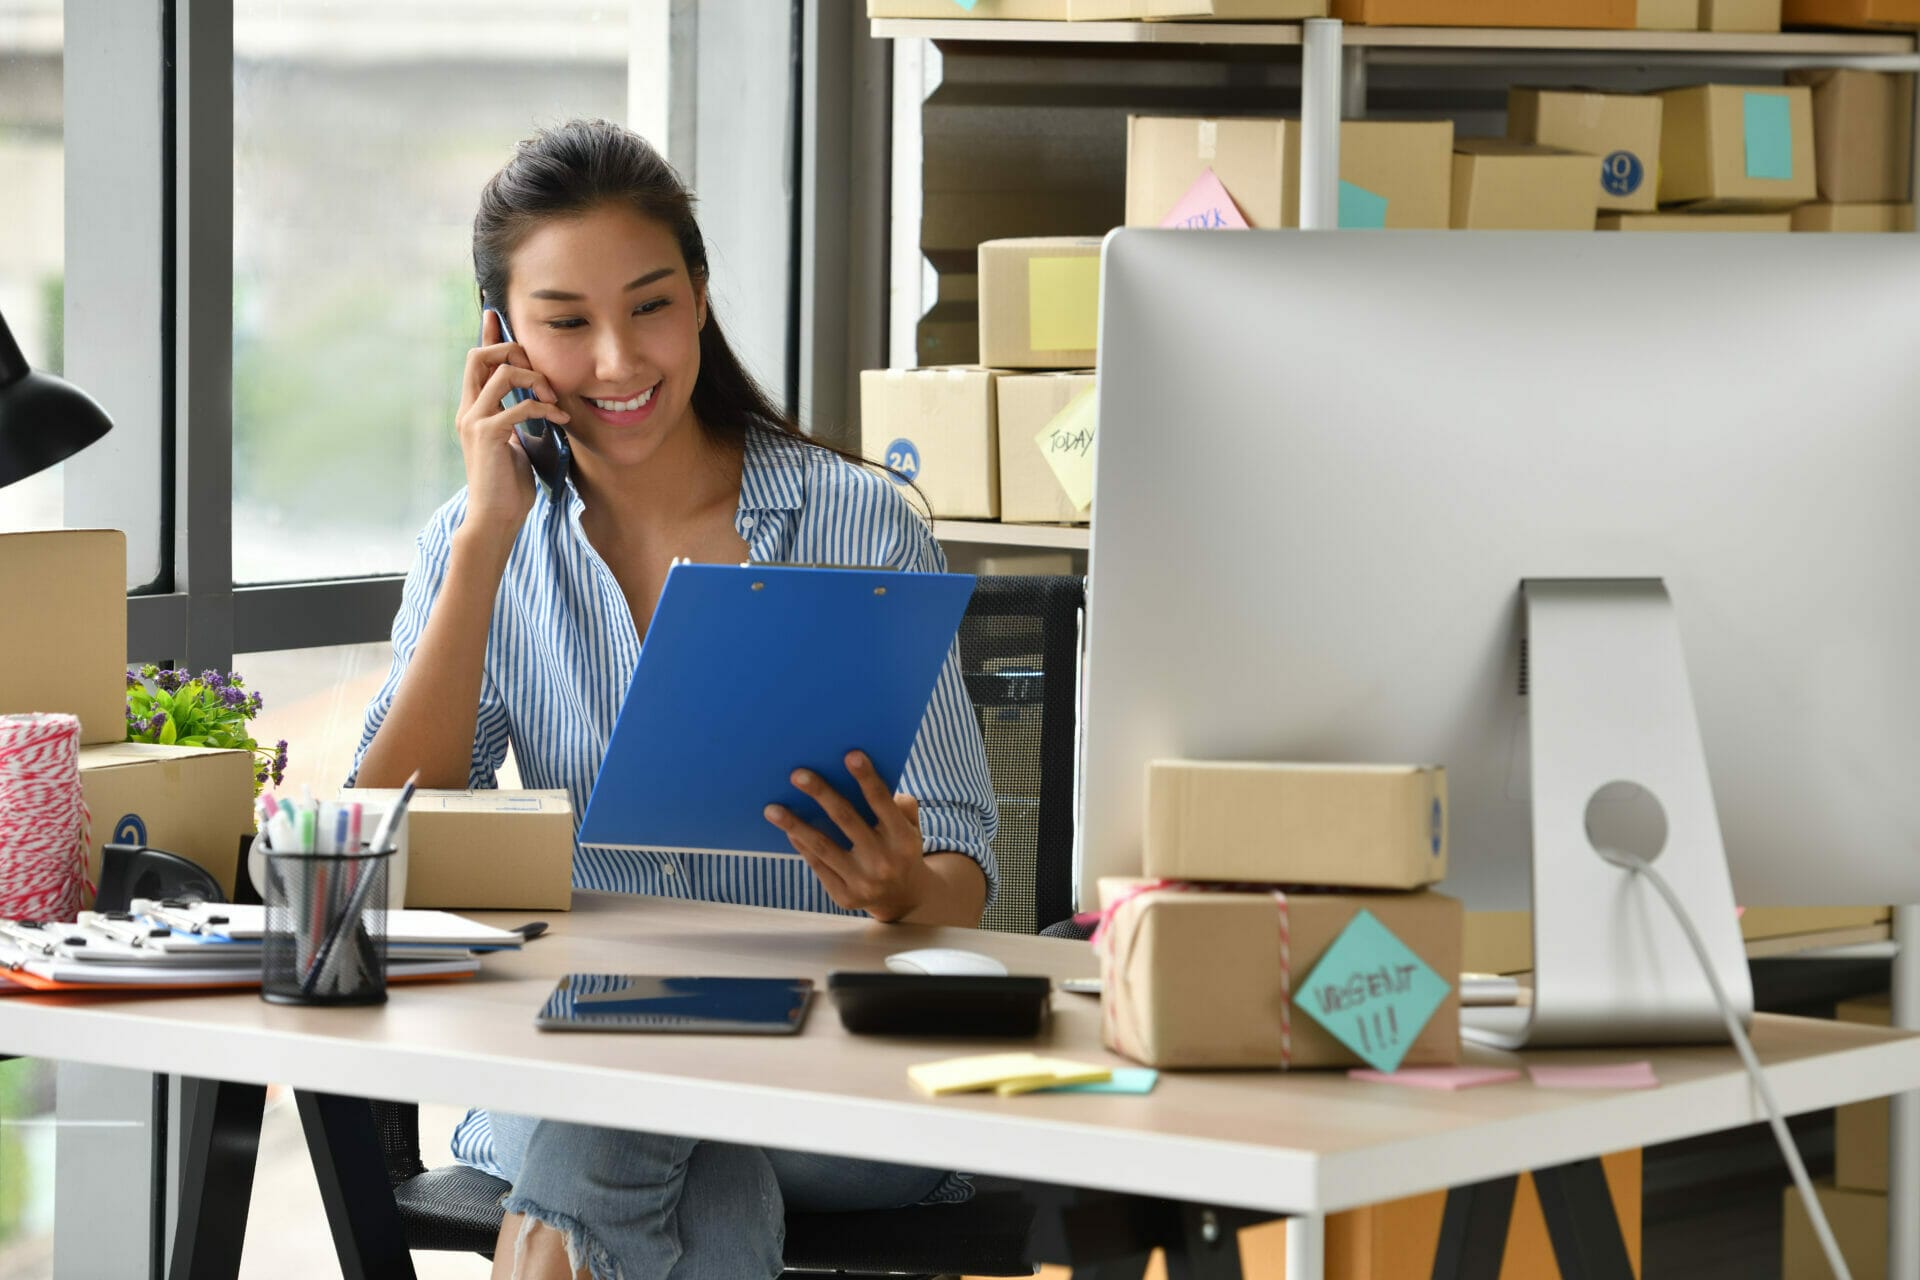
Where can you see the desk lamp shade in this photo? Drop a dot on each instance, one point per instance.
(43, 419)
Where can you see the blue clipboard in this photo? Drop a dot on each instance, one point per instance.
(749, 672)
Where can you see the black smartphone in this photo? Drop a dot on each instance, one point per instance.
(915, 1004)
(545, 444)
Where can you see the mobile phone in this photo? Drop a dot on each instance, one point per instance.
(544, 442)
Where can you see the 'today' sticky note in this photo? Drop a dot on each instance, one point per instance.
(1768, 122)
(1066, 442)
(1361, 209)
(1063, 303)
(1205, 207)
(1372, 992)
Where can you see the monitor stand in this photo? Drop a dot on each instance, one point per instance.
(1609, 705)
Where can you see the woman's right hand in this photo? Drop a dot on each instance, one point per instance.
(499, 478)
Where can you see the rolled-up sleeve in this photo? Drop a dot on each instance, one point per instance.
(432, 550)
(946, 771)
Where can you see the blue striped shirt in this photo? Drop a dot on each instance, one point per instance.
(562, 647)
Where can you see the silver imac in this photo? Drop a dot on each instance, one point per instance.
(1567, 514)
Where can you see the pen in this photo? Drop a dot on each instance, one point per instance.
(356, 901)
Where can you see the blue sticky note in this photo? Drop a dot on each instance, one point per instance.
(1125, 1080)
(965, 4)
(1769, 127)
(1361, 209)
(1372, 992)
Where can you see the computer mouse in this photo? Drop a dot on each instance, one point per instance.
(947, 962)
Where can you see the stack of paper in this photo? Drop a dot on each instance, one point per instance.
(1006, 1074)
(162, 945)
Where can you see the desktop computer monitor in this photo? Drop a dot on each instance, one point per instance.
(1555, 511)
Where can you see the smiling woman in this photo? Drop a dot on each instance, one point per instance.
(521, 625)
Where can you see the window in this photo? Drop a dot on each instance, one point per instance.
(32, 205)
(362, 136)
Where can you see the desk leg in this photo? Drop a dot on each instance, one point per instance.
(218, 1149)
(1473, 1231)
(1587, 1241)
(345, 1147)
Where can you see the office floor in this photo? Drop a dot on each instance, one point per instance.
(287, 1236)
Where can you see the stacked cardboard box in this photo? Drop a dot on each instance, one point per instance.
(66, 645)
(1204, 967)
(1740, 15)
(934, 430)
(1727, 148)
(1621, 130)
(1870, 15)
(1863, 150)
(1503, 185)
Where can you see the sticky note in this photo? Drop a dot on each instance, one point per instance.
(1361, 209)
(1372, 992)
(1446, 1078)
(966, 4)
(1061, 1073)
(1063, 303)
(1123, 1080)
(1066, 442)
(1768, 120)
(1205, 207)
(1005, 1073)
(1621, 1075)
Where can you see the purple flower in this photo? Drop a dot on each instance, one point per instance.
(158, 722)
(211, 678)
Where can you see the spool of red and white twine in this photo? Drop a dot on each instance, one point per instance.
(44, 825)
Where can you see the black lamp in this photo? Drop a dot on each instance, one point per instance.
(43, 419)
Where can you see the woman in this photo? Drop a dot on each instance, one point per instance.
(521, 624)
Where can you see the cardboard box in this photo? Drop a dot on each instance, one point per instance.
(1196, 978)
(936, 427)
(1681, 221)
(191, 801)
(79, 577)
(487, 850)
(1497, 942)
(1039, 303)
(1739, 15)
(1859, 1222)
(1737, 147)
(1403, 171)
(1502, 185)
(1860, 1128)
(1346, 826)
(1853, 217)
(1502, 941)
(1862, 134)
(1029, 491)
(1256, 160)
(1668, 15)
(1605, 15)
(1757, 923)
(1900, 15)
(1027, 564)
(1621, 129)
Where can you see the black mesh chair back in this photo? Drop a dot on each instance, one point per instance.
(1020, 652)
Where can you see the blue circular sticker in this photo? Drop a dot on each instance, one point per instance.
(130, 830)
(1622, 173)
(903, 460)
(1439, 826)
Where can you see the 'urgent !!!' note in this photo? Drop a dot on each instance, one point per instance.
(1372, 992)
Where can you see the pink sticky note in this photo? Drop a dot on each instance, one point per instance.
(1205, 207)
(1621, 1075)
(1448, 1078)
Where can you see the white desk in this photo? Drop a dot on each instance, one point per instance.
(1306, 1143)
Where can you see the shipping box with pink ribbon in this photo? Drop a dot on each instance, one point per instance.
(1207, 975)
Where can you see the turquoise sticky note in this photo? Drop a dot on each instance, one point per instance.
(1361, 209)
(1125, 1080)
(1372, 992)
(1769, 127)
(965, 4)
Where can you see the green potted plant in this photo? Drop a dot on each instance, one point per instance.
(178, 708)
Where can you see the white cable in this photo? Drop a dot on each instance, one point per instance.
(1787, 1148)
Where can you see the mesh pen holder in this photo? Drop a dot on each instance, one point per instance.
(326, 928)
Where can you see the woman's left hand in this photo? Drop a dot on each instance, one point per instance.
(884, 873)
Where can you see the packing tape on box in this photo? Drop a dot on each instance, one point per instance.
(1112, 966)
(1209, 140)
(44, 824)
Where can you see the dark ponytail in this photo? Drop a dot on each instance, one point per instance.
(582, 165)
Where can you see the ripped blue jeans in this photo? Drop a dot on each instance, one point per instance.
(645, 1206)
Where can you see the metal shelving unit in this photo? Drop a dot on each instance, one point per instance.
(1333, 86)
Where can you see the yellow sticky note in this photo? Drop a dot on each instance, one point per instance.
(1063, 303)
(1062, 1073)
(982, 1071)
(1066, 442)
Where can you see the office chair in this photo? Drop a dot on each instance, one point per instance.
(1020, 652)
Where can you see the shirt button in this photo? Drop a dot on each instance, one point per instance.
(746, 522)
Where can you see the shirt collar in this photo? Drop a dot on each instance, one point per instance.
(772, 477)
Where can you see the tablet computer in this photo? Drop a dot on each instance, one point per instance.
(640, 1002)
(752, 671)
